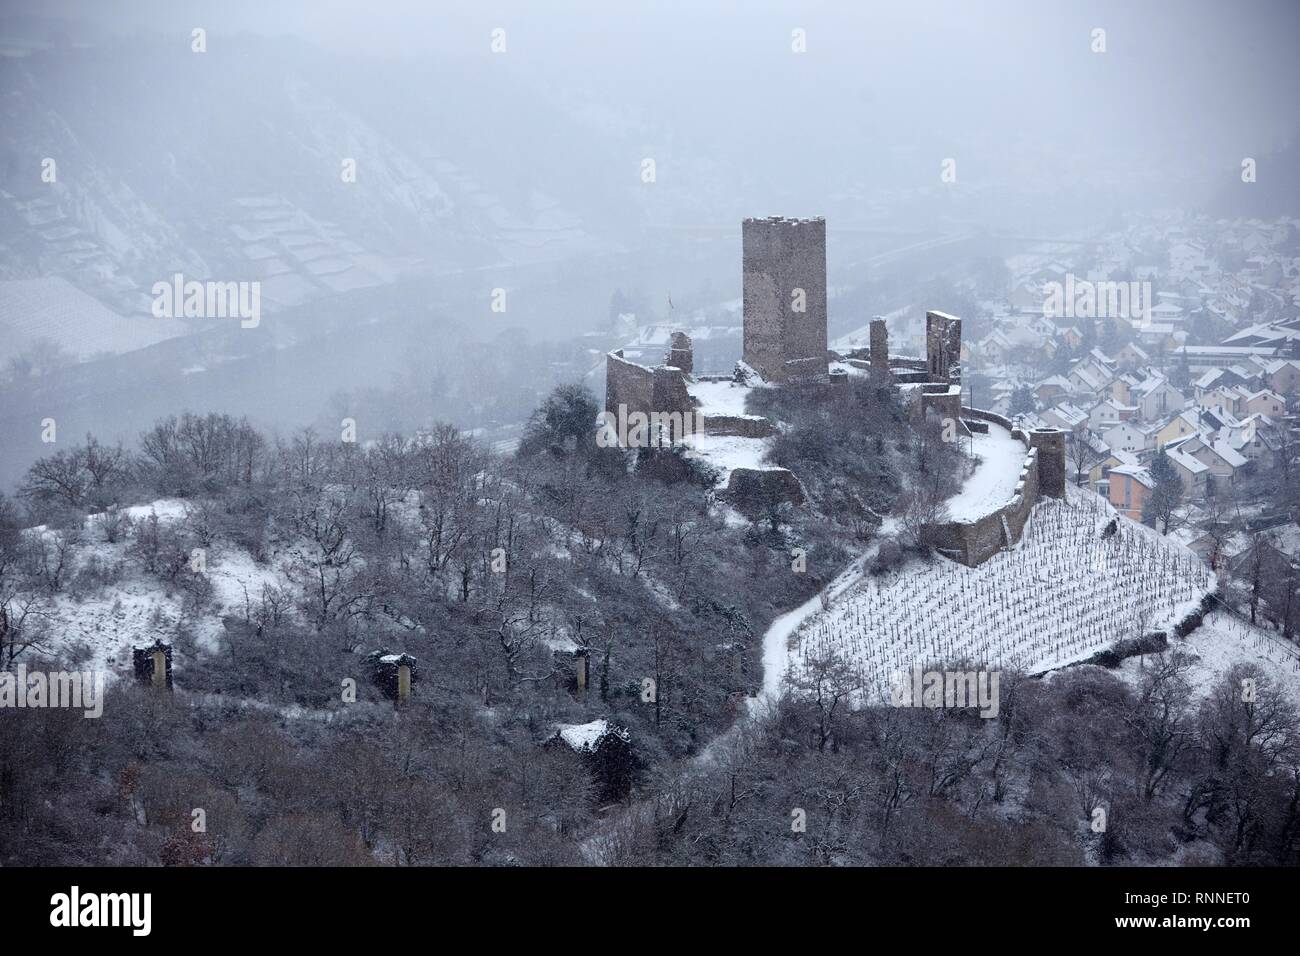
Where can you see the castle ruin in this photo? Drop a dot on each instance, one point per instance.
(943, 347)
(785, 342)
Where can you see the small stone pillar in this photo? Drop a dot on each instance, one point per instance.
(1050, 443)
(681, 353)
(580, 669)
(879, 344)
(153, 664)
(393, 674)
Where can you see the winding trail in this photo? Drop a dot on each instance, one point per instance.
(776, 640)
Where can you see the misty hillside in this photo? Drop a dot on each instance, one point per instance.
(235, 170)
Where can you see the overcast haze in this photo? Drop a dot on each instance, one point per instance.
(524, 170)
(631, 433)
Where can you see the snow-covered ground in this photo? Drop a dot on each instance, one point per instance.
(720, 398)
(779, 639)
(726, 452)
(1062, 594)
(100, 627)
(166, 509)
(1225, 640)
(993, 482)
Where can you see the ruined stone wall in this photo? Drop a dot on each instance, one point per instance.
(628, 384)
(681, 353)
(943, 346)
(743, 426)
(945, 406)
(981, 415)
(670, 393)
(754, 491)
(780, 257)
(659, 391)
(974, 542)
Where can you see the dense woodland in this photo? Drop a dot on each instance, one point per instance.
(490, 570)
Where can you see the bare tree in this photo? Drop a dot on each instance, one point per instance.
(827, 683)
(1083, 454)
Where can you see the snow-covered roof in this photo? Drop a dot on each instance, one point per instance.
(1059, 381)
(586, 738)
(1136, 472)
(1228, 453)
(1193, 465)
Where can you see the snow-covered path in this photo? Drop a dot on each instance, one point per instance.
(776, 640)
(993, 482)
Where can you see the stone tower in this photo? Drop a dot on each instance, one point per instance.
(1050, 443)
(943, 347)
(784, 263)
(879, 344)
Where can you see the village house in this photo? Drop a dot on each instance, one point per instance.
(1283, 376)
(1180, 426)
(1216, 379)
(1265, 402)
(1069, 417)
(1051, 389)
(1098, 477)
(1156, 398)
(1109, 411)
(1071, 336)
(1249, 437)
(1194, 473)
(1226, 400)
(1160, 336)
(1128, 488)
(1125, 437)
(1120, 390)
(1219, 457)
(1086, 380)
(1131, 357)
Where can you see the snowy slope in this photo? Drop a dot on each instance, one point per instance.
(1060, 596)
(98, 628)
(1225, 640)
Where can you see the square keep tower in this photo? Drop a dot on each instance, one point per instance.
(784, 263)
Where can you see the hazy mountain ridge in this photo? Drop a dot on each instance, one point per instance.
(140, 194)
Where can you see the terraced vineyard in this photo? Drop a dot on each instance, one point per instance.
(1064, 593)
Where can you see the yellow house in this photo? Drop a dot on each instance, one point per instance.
(1101, 469)
(1180, 426)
